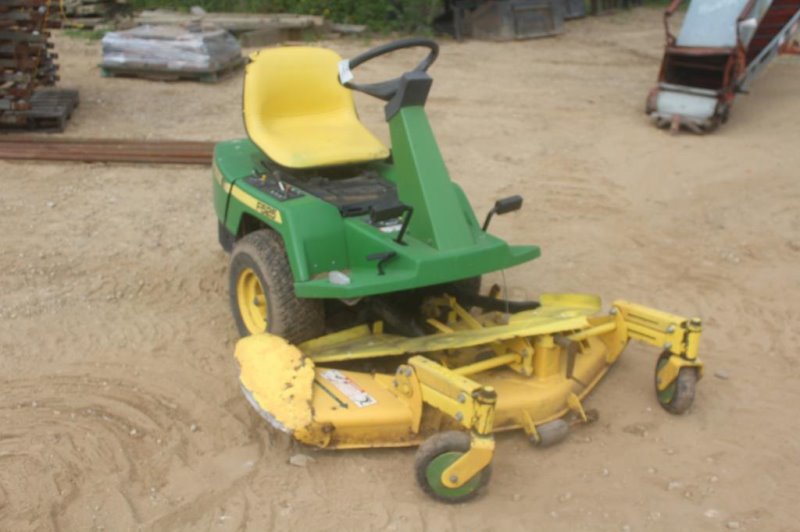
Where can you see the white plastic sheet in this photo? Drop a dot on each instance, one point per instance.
(170, 48)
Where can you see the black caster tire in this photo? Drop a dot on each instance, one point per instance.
(678, 397)
(435, 455)
(551, 433)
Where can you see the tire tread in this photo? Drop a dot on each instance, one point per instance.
(294, 319)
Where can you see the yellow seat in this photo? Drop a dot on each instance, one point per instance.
(299, 114)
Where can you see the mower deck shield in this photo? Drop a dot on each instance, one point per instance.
(539, 366)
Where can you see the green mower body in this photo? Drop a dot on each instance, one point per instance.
(340, 225)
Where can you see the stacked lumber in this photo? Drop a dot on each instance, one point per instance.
(251, 28)
(87, 14)
(233, 22)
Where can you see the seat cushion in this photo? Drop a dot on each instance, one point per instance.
(299, 115)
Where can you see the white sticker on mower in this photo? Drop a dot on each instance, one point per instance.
(349, 388)
(345, 74)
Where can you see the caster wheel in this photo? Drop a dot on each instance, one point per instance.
(678, 396)
(435, 455)
(551, 433)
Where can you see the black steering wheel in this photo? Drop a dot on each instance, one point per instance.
(385, 90)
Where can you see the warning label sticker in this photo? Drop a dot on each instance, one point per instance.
(349, 388)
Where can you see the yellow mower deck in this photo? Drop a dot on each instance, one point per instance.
(478, 373)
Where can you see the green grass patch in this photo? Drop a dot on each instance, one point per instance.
(88, 35)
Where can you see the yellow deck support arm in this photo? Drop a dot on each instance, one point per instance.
(490, 363)
(671, 332)
(470, 404)
(674, 334)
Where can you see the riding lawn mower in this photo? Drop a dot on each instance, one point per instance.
(355, 281)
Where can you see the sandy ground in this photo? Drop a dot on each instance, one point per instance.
(119, 403)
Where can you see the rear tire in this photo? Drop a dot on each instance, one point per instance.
(262, 296)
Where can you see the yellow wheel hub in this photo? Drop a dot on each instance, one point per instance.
(252, 301)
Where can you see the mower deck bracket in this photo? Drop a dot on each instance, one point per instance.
(528, 425)
(669, 372)
(524, 350)
(468, 319)
(678, 335)
(575, 405)
(470, 463)
(491, 363)
(408, 387)
(594, 331)
(674, 334)
(468, 402)
(439, 326)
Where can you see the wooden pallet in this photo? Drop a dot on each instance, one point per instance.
(49, 112)
(166, 74)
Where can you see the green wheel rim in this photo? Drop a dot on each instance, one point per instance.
(434, 471)
(665, 396)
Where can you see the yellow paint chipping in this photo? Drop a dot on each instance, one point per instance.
(278, 377)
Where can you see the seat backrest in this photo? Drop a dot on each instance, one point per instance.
(293, 81)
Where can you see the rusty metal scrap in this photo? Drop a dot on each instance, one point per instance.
(27, 60)
(23, 147)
